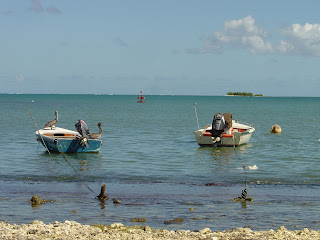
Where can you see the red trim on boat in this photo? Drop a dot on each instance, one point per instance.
(207, 134)
(242, 130)
(227, 135)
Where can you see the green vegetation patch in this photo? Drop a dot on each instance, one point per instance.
(243, 94)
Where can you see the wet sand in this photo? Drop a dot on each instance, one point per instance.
(73, 230)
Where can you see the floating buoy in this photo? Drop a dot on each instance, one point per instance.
(141, 98)
(275, 129)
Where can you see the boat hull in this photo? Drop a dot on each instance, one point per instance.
(236, 139)
(70, 145)
(63, 140)
(241, 135)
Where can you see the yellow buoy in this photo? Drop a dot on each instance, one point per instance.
(275, 129)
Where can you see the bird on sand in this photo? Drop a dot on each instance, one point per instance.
(51, 124)
(96, 135)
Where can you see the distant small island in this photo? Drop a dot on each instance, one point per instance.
(243, 94)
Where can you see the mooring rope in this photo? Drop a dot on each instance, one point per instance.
(75, 170)
(61, 152)
(244, 192)
(44, 144)
(234, 148)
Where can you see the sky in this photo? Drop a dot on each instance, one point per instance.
(171, 47)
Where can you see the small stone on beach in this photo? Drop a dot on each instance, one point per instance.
(70, 230)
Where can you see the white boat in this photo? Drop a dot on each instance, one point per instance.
(224, 131)
(58, 139)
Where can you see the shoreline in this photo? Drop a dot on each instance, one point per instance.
(74, 230)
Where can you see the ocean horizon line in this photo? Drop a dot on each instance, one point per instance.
(178, 95)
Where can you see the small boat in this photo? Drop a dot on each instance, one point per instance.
(141, 98)
(224, 132)
(58, 139)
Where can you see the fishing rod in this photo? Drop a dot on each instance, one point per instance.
(40, 134)
(195, 110)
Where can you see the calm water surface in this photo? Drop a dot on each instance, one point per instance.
(152, 163)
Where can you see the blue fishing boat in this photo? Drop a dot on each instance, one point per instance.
(56, 139)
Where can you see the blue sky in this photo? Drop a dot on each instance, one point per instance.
(189, 47)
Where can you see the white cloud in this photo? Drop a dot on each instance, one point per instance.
(36, 6)
(245, 34)
(6, 12)
(241, 33)
(53, 10)
(301, 40)
(121, 42)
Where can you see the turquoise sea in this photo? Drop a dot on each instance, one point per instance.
(151, 162)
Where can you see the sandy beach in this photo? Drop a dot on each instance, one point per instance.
(73, 230)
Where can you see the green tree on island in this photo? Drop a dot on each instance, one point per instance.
(243, 94)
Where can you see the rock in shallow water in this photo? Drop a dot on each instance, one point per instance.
(35, 200)
(177, 220)
(138, 220)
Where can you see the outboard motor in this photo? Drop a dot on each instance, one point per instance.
(218, 125)
(218, 121)
(83, 129)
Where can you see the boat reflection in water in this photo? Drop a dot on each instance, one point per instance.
(224, 166)
(227, 153)
(66, 162)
